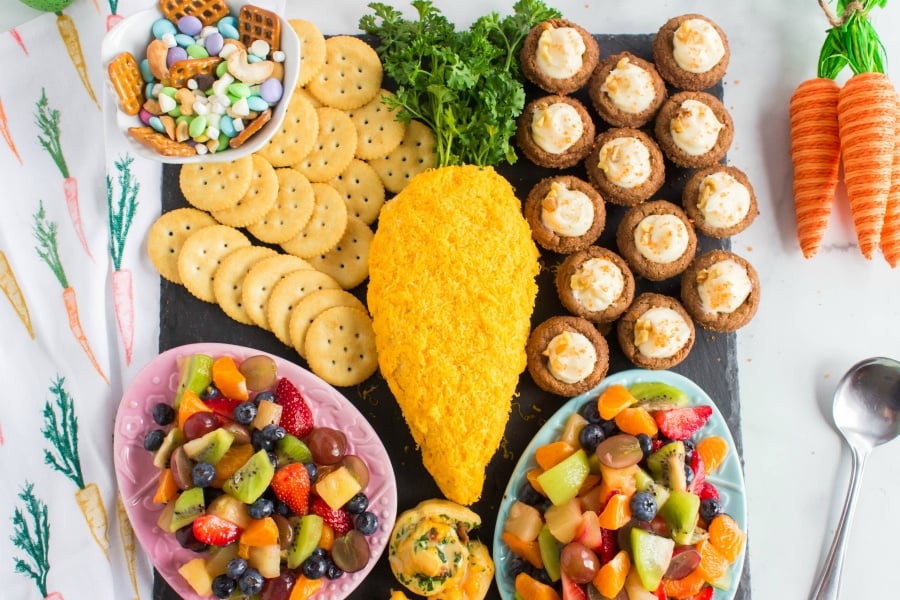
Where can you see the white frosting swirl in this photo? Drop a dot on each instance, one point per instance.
(629, 87)
(597, 283)
(625, 161)
(695, 128)
(571, 356)
(723, 201)
(661, 332)
(556, 128)
(567, 212)
(723, 287)
(560, 51)
(697, 46)
(661, 238)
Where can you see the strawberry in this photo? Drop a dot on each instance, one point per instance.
(223, 407)
(215, 531)
(699, 472)
(682, 423)
(608, 546)
(296, 418)
(660, 592)
(338, 519)
(707, 490)
(291, 486)
(571, 590)
(704, 594)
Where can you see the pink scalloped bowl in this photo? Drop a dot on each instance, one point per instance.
(137, 477)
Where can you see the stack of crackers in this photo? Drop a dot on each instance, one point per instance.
(279, 238)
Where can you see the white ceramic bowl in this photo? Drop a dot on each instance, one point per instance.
(133, 34)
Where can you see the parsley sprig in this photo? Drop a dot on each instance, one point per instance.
(465, 85)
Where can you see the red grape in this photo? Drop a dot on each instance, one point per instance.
(327, 445)
(199, 424)
(579, 562)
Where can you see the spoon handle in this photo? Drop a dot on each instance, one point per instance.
(829, 584)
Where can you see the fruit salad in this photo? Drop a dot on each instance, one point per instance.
(273, 504)
(619, 507)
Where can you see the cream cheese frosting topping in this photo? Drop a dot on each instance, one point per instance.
(567, 212)
(660, 332)
(723, 287)
(625, 161)
(560, 51)
(570, 356)
(629, 87)
(661, 238)
(697, 46)
(556, 127)
(695, 128)
(597, 283)
(723, 201)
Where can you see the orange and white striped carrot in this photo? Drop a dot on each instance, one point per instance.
(890, 232)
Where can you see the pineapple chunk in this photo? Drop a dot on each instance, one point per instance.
(337, 487)
(195, 573)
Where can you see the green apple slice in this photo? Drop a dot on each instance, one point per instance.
(680, 513)
(651, 554)
(562, 481)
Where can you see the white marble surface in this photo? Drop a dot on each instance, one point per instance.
(817, 317)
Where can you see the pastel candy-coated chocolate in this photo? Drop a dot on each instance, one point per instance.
(161, 27)
(257, 104)
(196, 51)
(190, 25)
(146, 74)
(175, 54)
(271, 90)
(214, 43)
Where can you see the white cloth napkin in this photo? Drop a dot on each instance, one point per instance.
(80, 315)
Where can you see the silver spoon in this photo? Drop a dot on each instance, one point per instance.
(867, 413)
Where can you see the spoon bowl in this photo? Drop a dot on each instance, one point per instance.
(866, 412)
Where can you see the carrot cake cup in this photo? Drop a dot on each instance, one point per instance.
(626, 166)
(555, 131)
(565, 213)
(596, 284)
(694, 129)
(567, 356)
(656, 332)
(657, 239)
(691, 52)
(559, 56)
(626, 90)
(720, 201)
(720, 290)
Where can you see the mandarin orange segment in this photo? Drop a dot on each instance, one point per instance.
(616, 513)
(230, 381)
(326, 540)
(532, 476)
(167, 489)
(304, 588)
(610, 578)
(235, 458)
(713, 450)
(260, 532)
(726, 535)
(684, 588)
(190, 404)
(552, 454)
(636, 419)
(529, 551)
(530, 588)
(713, 564)
(613, 400)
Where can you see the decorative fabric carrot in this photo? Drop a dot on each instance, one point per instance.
(120, 216)
(47, 120)
(7, 136)
(10, 287)
(61, 430)
(113, 18)
(890, 232)
(15, 35)
(69, 34)
(45, 234)
(31, 535)
(129, 544)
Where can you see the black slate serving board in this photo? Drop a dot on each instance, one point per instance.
(712, 363)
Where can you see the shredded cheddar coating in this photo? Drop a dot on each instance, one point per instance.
(452, 287)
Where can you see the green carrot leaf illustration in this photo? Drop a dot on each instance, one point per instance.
(47, 120)
(32, 536)
(122, 212)
(61, 430)
(48, 248)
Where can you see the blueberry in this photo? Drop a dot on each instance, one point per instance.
(188, 540)
(516, 566)
(203, 474)
(643, 506)
(590, 412)
(357, 504)
(273, 432)
(260, 441)
(333, 572)
(223, 586)
(366, 523)
(154, 439)
(688, 474)
(281, 508)
(312, 470)
(315, 567)
(244, 413)
(236, 567)
(646, 443)
(251, 582)
(590, 437)
(273, 458)
(710, 508)
(261, 508)
(529, 495)
(163, 414)
(688, 446)
(319, 551)
(609, 427)
(264, 396)
(210, 393)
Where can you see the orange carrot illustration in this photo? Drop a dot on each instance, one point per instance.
(15, 35)
(47, 119)
(4, 130)
(69, 35)
(14, 293)
(61, 430)
(48, 251)
(120, 216)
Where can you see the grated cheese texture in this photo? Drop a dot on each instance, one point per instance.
(451, 290)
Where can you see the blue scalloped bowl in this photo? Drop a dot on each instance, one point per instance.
(729, 479)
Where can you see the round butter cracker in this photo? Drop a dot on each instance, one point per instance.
(362, 190)
(334, 147)
(414, 155)
(201, 254)
(293, 207)
(297, 134)
(215, 186)
(287, 292)
(260, 280)
(167, 235)
(260, 196)
(340, 346)
(228, 280)
(326, 226)
(310, 306)
(348, 262)
(312, 49)
(378, 129)
(351, 76)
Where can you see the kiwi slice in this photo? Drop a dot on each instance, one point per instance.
(292, 449)
(249, 482)
(188, 506)
(173, 439)
(307, 533)
(645, 483)
(667, 465)
(195, 373)
(209, 447)
(654, 395)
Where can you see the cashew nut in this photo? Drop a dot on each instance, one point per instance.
(157, 52)
(249, 73)
(185, 99)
